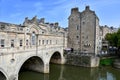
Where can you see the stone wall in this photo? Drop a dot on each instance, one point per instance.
(82, 60)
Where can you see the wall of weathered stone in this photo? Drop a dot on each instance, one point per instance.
(85, 61)
(83, 30)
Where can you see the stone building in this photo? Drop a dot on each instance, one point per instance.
(32, 45)
(83, 31)
(34, 32)
(106, 29)
(103, 31)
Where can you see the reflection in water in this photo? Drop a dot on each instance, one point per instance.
(63, 72)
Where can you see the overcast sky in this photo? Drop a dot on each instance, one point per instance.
(14, 11)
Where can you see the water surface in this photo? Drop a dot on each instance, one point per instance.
(65, 72)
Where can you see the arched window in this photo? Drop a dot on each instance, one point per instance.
(33, 38)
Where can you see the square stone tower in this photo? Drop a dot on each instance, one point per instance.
(83, 31)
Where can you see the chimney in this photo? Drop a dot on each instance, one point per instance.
(74, 10)
(56, 24)
(42, 20)
(87, 8)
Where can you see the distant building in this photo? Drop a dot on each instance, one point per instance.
(106, 29)
(83, 31)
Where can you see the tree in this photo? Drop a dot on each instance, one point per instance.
(113, 38)
(118, 36)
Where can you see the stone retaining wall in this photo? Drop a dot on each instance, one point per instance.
(85, 61)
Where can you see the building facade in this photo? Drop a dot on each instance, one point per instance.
(32, 45)
(103, 31)
(106, 29)
(83, 31)
(34, 32)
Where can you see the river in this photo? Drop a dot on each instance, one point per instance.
(65, 72)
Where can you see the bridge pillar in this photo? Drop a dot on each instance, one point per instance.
(63, 60)
(46, 68)
(13, 77)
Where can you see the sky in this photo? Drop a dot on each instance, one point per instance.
(15, 11)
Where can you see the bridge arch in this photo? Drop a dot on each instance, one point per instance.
(56, 57)
(33, 63)
(3, 75)
(26, 60)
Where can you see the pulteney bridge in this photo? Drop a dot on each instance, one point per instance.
(31, 46)
(35, 58)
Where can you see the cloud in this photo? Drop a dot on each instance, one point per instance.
(58, 2)
(15, 15)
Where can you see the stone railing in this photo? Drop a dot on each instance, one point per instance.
(9, 50)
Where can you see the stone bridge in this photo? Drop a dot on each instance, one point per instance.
(13, 60)
(31, 45)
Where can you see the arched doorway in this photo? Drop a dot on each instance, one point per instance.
(33, 64)
(2, 76)
(56, 58)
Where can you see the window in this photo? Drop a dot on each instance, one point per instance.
(21, 29)
(86, 37)
(56, 41)
(2, 43)
(77, 37)
(77, 27)
(27, 42)
(21, 41)
(39, 42)
(33, 38)
(83, 23)
(50, 42)
(42, 41)
(12, 43)
(47, 42)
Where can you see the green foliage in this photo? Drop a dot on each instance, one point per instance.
(118, 36)
(113, 38)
